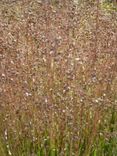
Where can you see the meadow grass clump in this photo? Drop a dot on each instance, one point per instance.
(58, 86)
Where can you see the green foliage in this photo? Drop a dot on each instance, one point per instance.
(110, 7)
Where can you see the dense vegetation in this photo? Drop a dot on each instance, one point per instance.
(58, 84)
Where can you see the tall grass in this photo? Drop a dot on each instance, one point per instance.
(58, 66)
